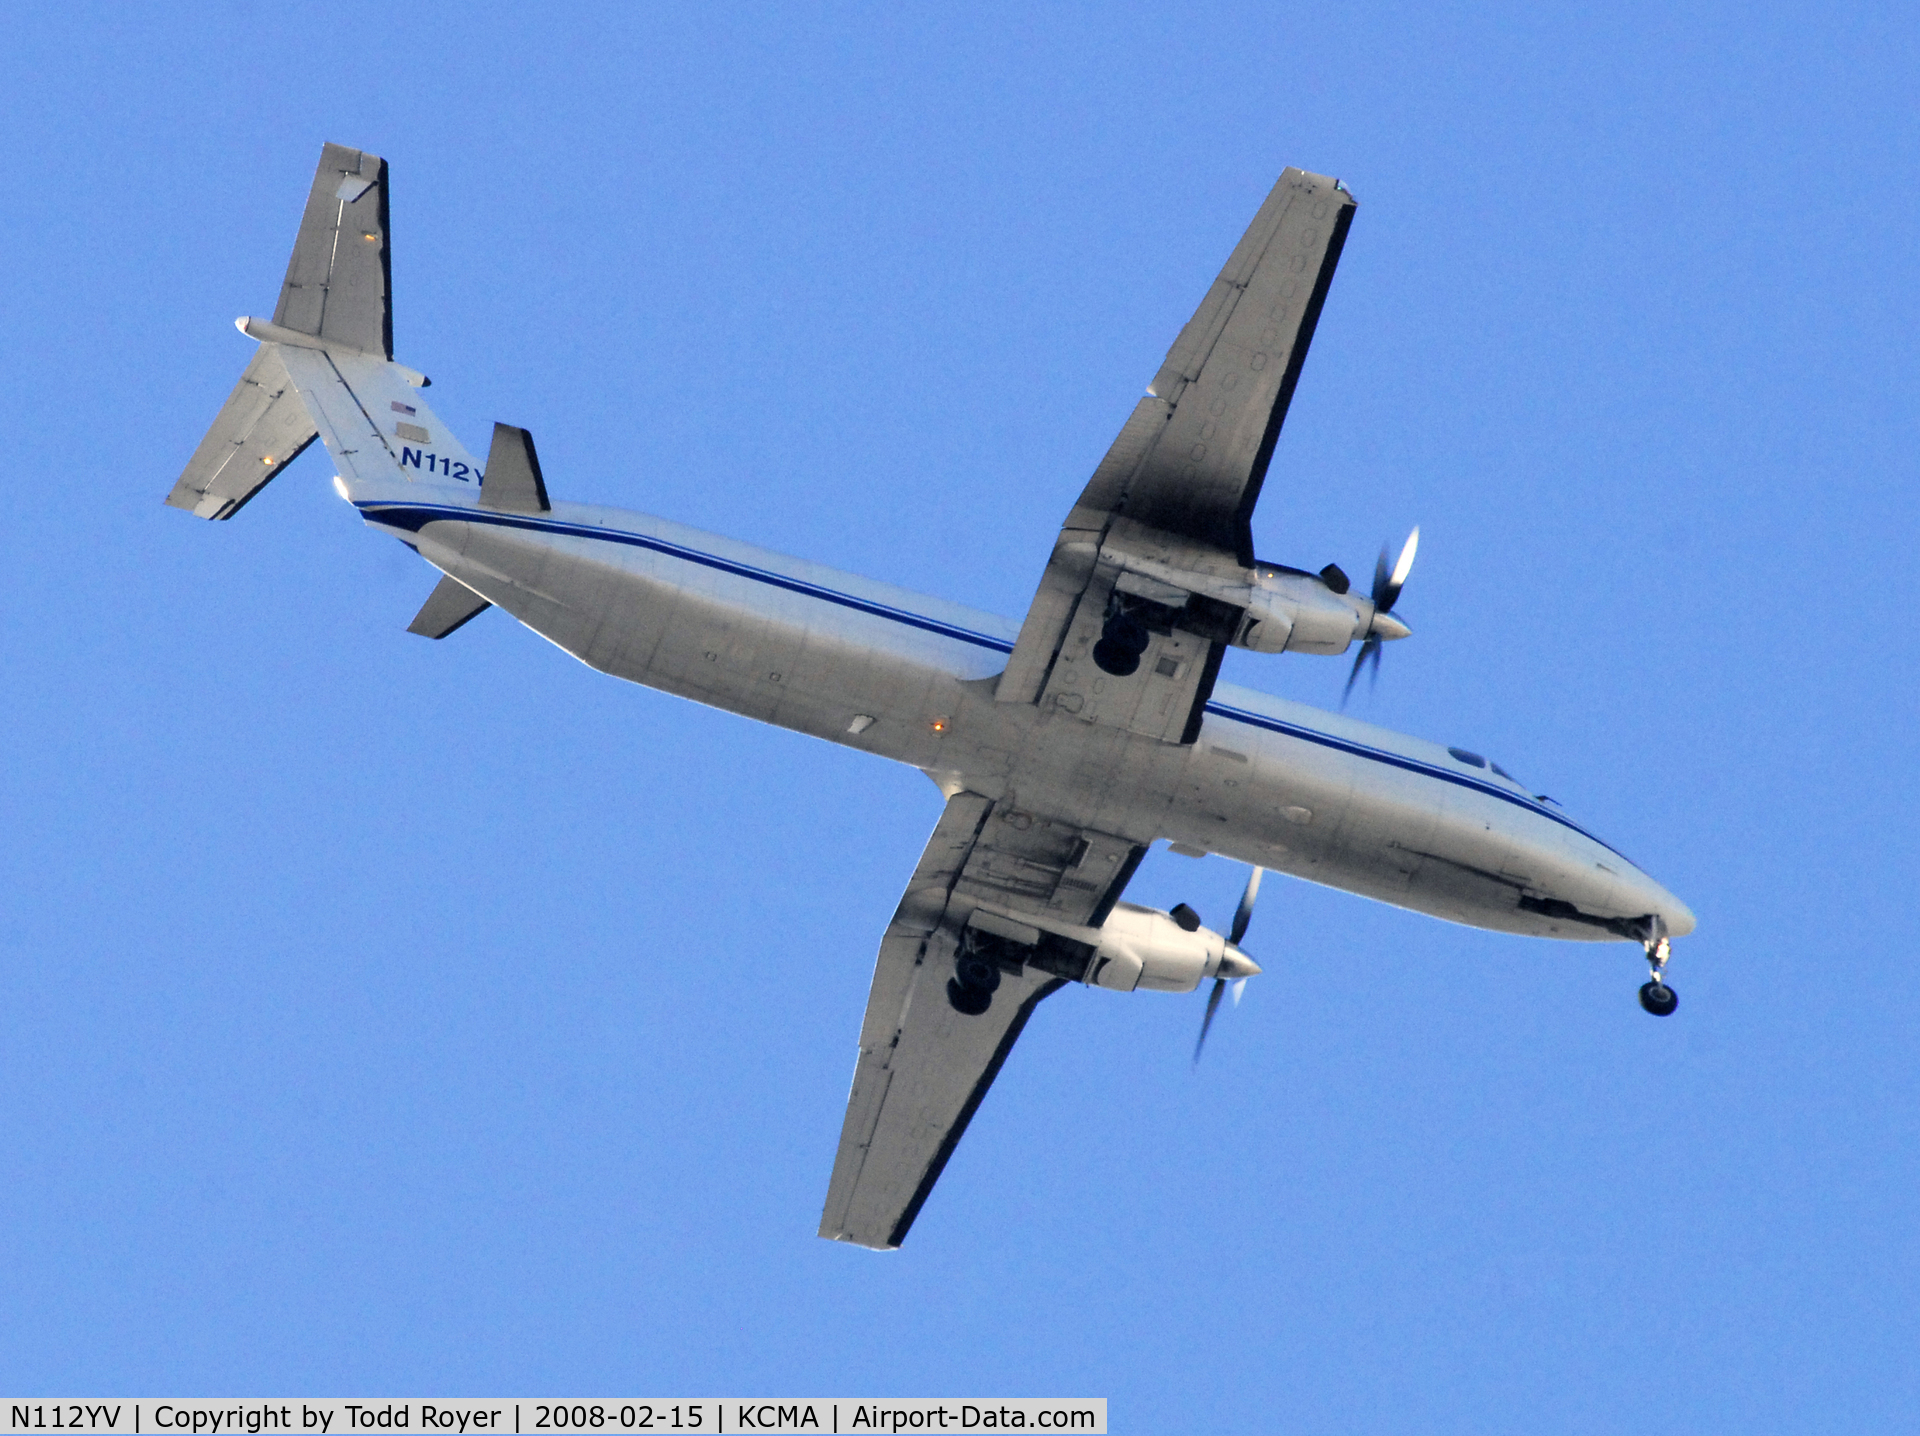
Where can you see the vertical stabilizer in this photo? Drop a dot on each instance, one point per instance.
(514, 483)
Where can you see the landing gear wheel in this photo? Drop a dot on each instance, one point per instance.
(976, 970)
(969, 1000)
(1116, 658)
(1658, 998)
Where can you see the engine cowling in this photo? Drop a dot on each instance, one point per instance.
(1297, 613)
(1143, 947)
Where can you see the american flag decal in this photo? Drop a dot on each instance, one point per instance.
(400, 408)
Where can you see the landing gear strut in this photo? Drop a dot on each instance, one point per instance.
(1655, 996)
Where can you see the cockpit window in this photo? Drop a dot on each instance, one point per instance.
(1472, 759)
(1505, 774)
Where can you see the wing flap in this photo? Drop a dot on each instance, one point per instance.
(1052, 610)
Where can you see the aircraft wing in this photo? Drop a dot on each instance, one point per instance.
(1167, 515)
(924, 1065)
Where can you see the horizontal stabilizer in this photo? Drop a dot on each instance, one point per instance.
(513, 484)
(339, 281)
(450, 604)
(261, 429)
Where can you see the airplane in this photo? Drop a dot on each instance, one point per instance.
(1065, 744)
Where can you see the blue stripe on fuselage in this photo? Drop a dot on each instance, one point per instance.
(1399, 760)
(413, 517)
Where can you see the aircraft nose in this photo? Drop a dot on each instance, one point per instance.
(1649, 896)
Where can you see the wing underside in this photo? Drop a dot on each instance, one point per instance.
(261, 429)
(925, 1064)
(1193, 456)
(1175, 494)
(1127, 632)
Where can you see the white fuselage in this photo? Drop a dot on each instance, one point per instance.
(911, 678)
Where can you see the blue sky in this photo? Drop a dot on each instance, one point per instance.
(385, 1016)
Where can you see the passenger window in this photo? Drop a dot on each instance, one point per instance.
(1472, 759)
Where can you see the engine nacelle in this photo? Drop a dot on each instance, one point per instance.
(1142, 947)
(1297, 613)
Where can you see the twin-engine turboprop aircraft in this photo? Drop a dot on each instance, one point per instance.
(1065, 744)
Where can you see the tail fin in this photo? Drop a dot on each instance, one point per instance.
(325, 366)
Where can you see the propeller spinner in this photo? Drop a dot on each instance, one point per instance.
(1386, 592)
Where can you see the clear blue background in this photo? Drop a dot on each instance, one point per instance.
(379, 1016)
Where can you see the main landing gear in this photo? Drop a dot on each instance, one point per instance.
(975, 976)
(1655, 996)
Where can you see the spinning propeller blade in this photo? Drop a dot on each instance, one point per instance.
(1387, 584)
(1368, 650)
(1213, 1006)
(1242, 915)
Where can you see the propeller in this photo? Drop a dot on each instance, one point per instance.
(1386, 592)
(1241, 917)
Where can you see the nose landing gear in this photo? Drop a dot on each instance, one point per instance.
(1655, 996)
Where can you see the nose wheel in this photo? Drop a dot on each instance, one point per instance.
(1655, 996)
(1658, 998)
